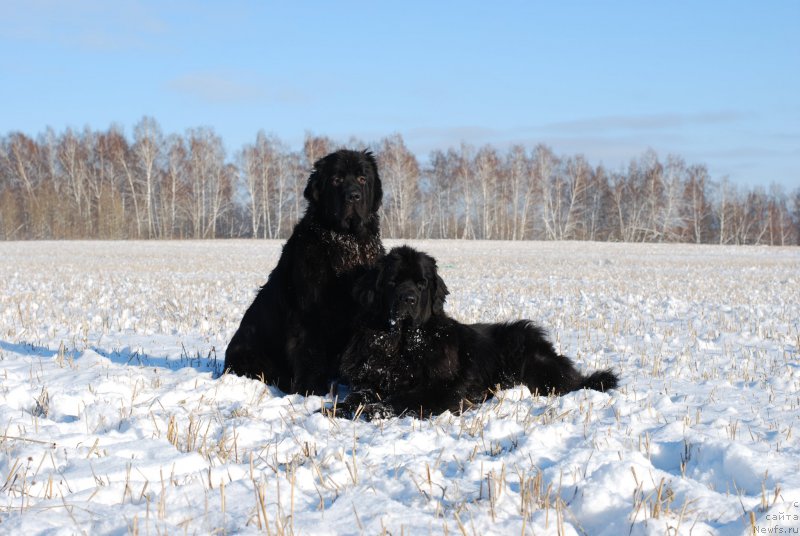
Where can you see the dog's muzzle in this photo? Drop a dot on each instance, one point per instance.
(352, 196)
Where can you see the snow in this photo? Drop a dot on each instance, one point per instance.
(114, 419)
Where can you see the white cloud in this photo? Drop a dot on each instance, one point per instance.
(215, 88)
(645, 122)
(87, 24)
(221, 87)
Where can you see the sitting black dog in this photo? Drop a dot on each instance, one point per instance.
(406, 354)
(296, 328)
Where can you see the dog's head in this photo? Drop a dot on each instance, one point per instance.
(344, 190)
(404, 288)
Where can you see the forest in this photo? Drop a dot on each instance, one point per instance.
(105, 185)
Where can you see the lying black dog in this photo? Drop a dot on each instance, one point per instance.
(293, 333)
(406, 354)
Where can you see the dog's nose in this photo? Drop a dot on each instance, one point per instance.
(409, 299)
(353, 196)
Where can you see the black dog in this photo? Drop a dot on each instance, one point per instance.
(293, 333)
(407, 355)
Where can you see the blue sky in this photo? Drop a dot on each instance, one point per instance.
(715, 82)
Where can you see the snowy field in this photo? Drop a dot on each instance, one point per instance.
(114, 418)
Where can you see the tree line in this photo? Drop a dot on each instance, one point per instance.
(105, 185)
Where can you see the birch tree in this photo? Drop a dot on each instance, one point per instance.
(147, 151)
(400, 175)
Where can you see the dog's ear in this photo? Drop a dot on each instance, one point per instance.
(365, 289)
(439, 293)
(314, 185)
(377, 188)
(311, 193)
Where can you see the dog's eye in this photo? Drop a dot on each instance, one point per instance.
(422, 283)
(337, 181)
(361, 179)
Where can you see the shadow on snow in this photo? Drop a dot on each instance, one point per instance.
(126, 356)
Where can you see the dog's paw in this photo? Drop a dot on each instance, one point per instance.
(377, 410)
(364, 404)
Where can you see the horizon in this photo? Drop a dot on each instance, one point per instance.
(714, 83)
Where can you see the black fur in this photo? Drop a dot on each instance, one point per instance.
(406, 354)
(295, 329)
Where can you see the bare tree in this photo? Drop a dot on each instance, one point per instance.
(486, 174)
(295, 174)
(251, 167)
(284, 174)
(441, 177)
(100, 183)
(630, 197)
(124, 160)
(697, 209)
(210, 182)
(577, 176)
(547, 174)
(521, 181)
(779, 217)
(73, 157)
(400, 175)
(653, 195)
(268, 171)
(668, 219)
(465, 180)
(723, 211)
(796, 216)
(147, 151)
(597, 205)
(20, 165)
(176, 184)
